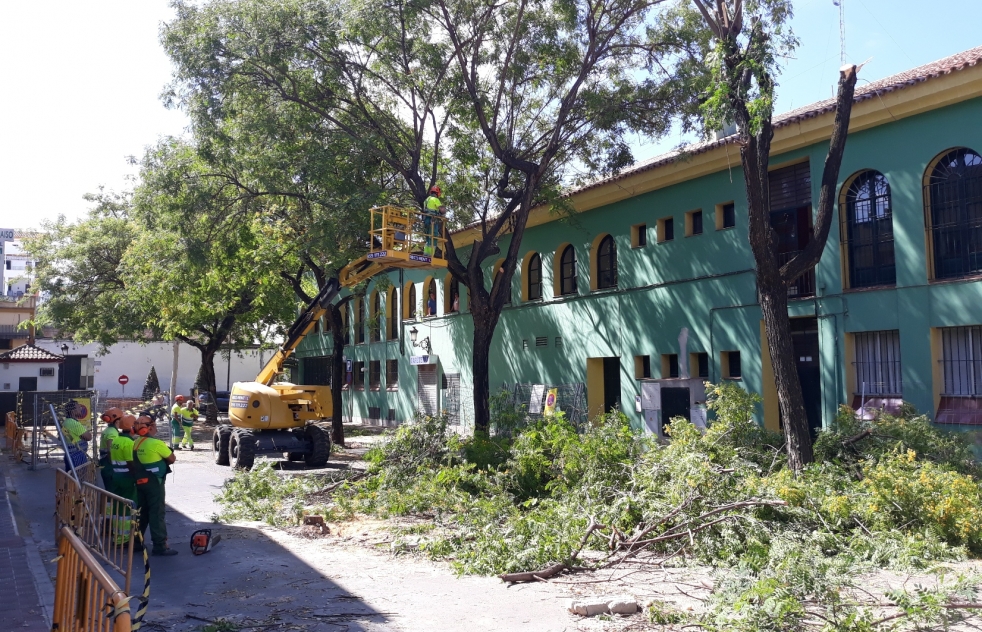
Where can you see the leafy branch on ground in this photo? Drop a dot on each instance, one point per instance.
(788, 552)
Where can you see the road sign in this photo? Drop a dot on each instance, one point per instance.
(123, 380)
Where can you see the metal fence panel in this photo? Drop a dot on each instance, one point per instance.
(570, 399)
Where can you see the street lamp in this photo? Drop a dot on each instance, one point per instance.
(423, 344)
(61, 378)
(64, 349)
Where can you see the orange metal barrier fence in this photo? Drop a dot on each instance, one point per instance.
(103, 521)
(86, 597)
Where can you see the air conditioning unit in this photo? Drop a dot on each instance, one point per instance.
(47, 372)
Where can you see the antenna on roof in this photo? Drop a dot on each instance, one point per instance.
(842, 29)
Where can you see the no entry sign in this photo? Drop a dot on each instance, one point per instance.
(123, 380)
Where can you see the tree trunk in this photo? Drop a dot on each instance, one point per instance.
(208, 370)
(480, 366)
(337, 374)
(777, 327)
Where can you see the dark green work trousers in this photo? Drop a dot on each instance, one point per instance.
(150, 500)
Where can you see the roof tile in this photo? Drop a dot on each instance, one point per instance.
(30, 353)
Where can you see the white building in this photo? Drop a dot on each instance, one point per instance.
(17, 266)
(84, 368)
(29, 368)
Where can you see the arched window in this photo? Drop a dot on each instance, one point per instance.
(411, 302)
(451, 297)
(567, 271)
(429, 306)
(375, 319)
(869, 231)
(359, 320)
(534, 276)
(344, 325)
(606, 263)
(392, 305)
(498, 269)
(955, 198)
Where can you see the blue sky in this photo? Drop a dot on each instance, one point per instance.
(81, 83)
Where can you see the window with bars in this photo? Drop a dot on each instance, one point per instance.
(791, 195)
(453, 296)
(954, 196)
(961, 360)
(392, 303)
(868, 231)
(375, 374)
(878, 369)
(567, 271)
(375, 322)
(534, 277)
(606, 263)
(392, 375)
(411, 302)
(359, 321)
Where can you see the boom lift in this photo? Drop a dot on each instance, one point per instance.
(270, 417)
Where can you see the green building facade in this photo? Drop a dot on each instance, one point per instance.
(652, 279)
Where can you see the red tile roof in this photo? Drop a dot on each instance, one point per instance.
(30, 353)
(899, 81)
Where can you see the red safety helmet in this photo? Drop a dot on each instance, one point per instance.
(179, 399)
(112, 415)
(437, 190)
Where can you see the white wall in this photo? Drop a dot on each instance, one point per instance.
(11, 372)
(134, 360)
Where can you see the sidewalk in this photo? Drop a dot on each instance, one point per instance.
(22, 608)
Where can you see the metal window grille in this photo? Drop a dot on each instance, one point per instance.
(393, 305)
(451, 399)
(868, 231)
(317, 370)
(535, 278)
(878, 370)
(392, 374)
(954, 192)
(791, 198)
(567, 267)
(607, 263)
(541, 341)
(790, 186)
(376, 322)
(375, 374)
(375, 413)
(570, 398)
(961, 359)
(359, 321)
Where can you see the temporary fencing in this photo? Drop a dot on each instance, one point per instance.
(103, 521)
(86, 597)
(570, 399)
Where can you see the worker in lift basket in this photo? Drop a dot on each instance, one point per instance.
(152, 459)
(433, 211)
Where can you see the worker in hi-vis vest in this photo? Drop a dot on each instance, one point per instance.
(432, 220)
(123, 483)
(176, 420)
(152, 459)
(111, 417)
(188, 417)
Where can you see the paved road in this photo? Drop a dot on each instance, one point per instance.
(261, 575)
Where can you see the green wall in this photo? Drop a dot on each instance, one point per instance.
(704, 283)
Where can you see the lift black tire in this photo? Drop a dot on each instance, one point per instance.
(320, 445)
(219, 444)
(242, 449)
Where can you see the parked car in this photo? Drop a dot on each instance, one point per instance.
(221, 400)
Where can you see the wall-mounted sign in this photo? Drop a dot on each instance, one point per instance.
(422, 359)
(6, 234)
(549, 409)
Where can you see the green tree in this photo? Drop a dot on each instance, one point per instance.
(151, 385)
(742, 42)
(504, 104)
(209, 284)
